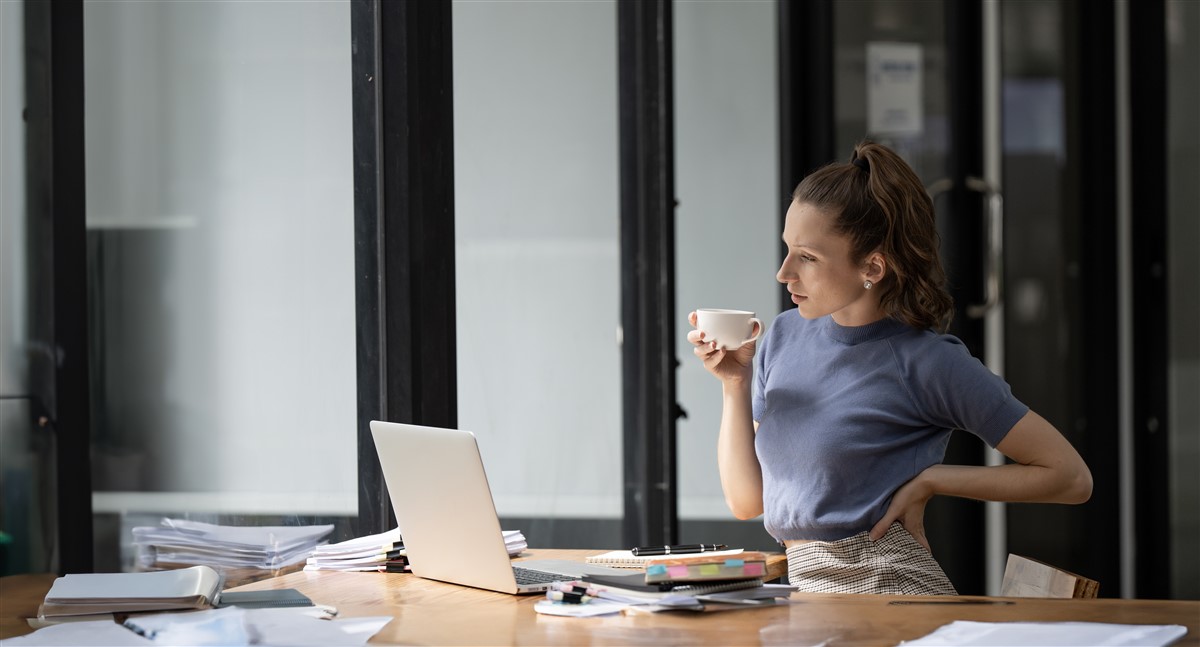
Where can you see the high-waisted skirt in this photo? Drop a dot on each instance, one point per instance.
(894, 565)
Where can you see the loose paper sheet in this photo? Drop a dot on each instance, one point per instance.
(963, 633)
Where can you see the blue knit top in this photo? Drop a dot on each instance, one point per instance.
(849, 414)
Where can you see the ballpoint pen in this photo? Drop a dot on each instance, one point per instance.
(642, 551)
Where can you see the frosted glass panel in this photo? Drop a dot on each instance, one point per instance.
(728, 220)
(221, 257)
(537, 252)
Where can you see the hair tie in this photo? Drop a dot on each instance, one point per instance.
(861, 162)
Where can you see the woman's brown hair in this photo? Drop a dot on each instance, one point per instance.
(878, 202)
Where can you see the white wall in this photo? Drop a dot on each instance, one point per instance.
(220, 207)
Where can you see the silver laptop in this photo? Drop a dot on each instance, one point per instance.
(446, 515)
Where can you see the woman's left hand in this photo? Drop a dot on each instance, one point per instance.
(908, 507)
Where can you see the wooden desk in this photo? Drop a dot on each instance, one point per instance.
(426, 612)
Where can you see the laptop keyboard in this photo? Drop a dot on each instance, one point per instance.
(530, 576)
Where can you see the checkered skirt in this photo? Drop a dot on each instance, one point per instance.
(894, 565)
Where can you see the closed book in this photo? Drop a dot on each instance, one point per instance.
(86, 593)
(633, 589)
(707, 568)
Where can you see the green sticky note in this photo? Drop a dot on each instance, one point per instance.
(710, 569)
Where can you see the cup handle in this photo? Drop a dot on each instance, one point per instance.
(757, 333)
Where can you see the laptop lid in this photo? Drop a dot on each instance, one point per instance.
(444, 506)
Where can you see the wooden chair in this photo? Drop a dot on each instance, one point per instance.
(1029, 578)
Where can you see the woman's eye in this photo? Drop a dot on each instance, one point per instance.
(806, 258)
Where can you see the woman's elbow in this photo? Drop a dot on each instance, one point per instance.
(744, 510)
(1079, 489)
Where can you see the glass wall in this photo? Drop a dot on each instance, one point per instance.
(1043, 331)
(26, 510)
(727, 224)
(220, 263)
(1183, 236)
(537, 259)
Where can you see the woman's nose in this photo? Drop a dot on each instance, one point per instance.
(783, 274)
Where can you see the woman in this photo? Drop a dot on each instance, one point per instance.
(855, 393)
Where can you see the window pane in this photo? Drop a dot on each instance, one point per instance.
(727, 224)
(537, 259)
(221, 267)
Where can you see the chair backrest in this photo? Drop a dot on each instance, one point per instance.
(1029, 578)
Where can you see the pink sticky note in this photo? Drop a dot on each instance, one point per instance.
(753, 568)
(677, 571)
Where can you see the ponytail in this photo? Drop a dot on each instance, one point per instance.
(879, 203)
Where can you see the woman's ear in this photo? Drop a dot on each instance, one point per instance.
(875, 268)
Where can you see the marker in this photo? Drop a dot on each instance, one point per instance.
(567, 597)
(676, 550)
(573, 588)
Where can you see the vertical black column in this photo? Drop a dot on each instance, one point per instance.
(1090, 212)
(647, 269)
(1148, 190)
(957, 527)
(54, 158)
(403, 226)
(806, 121)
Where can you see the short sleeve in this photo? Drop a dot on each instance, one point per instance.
(758, 401)
(957, 391)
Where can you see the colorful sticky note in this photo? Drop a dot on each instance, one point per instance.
(754, 568)
(656, 569)
(734, 563)
(710, 569)
(677, 571)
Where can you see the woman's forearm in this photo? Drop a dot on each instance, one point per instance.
(1012, 482)
(1047, 469)
(741, 474)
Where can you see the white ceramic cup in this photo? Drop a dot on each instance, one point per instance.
(731, 329)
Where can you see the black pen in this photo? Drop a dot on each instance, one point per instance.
(676, 550)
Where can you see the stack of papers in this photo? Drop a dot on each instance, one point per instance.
(514, 541)
(178, 541)
(383, 552)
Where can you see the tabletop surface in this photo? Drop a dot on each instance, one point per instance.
(428, 612)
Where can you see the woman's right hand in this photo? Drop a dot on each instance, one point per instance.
(728, 366)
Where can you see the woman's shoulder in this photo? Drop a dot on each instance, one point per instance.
(928, 351)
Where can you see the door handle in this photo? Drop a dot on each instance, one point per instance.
(994, 222)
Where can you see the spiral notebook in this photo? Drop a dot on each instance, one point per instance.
(626, 559)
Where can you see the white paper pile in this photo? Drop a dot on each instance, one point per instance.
(179, 541)
(370, 553)
(514, 541)
(382, 552)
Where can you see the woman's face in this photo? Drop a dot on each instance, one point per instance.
(819, 273)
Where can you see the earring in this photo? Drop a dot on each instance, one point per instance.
(868, 285)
